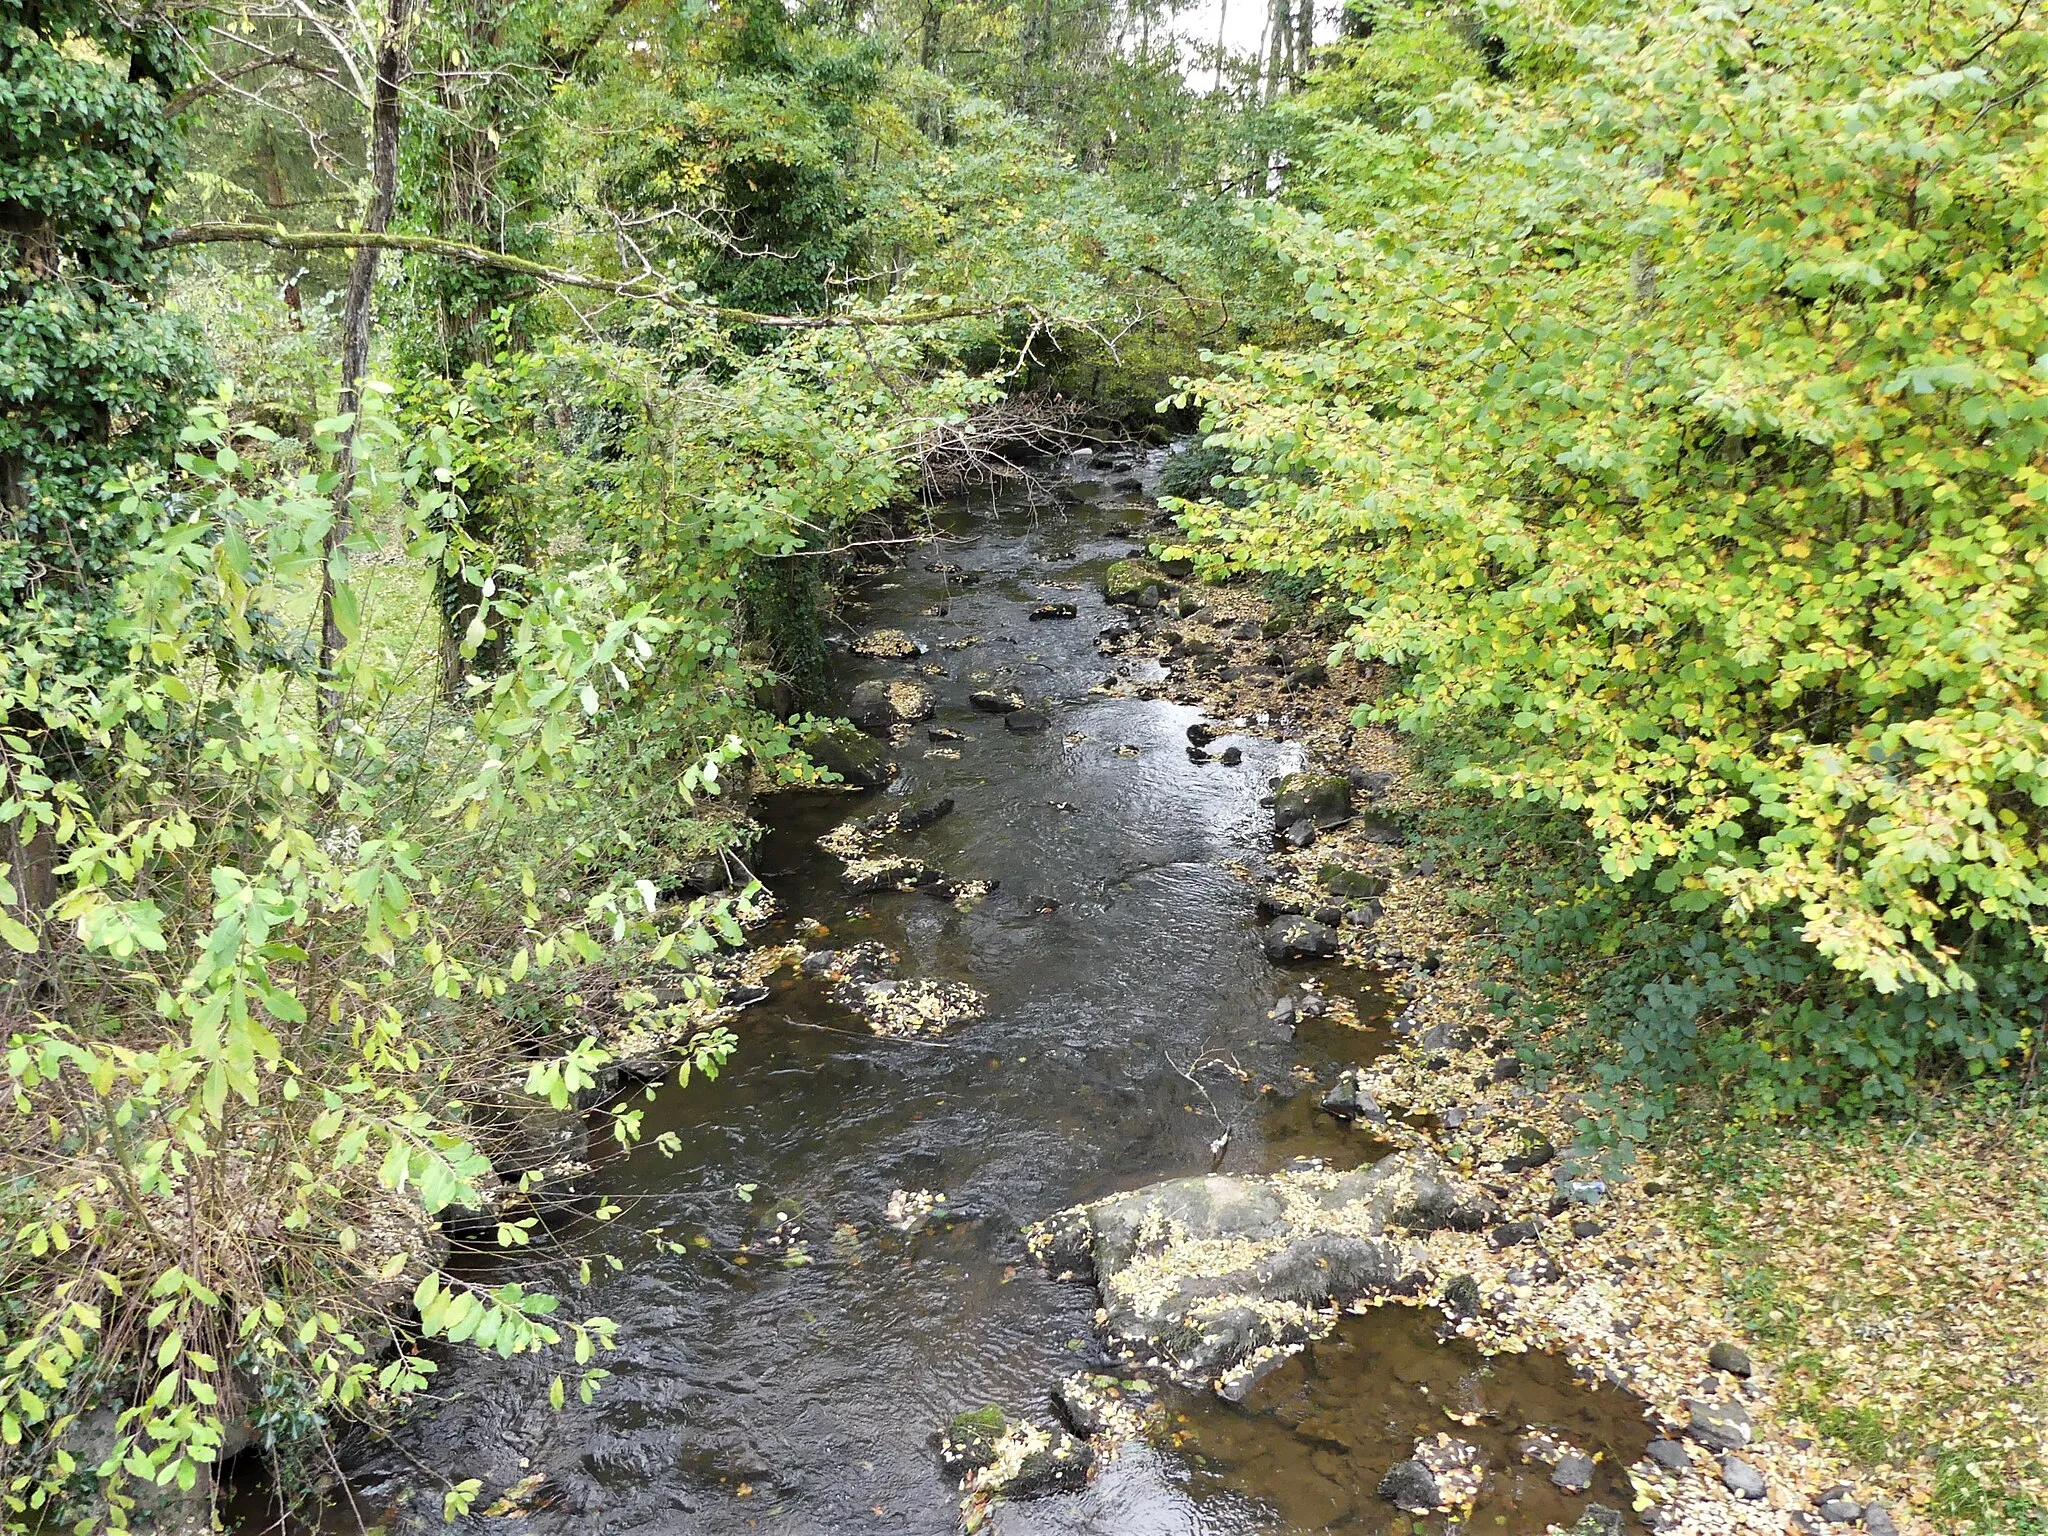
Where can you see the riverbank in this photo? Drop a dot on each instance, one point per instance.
(1872, 1293)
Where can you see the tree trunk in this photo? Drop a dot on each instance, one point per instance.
(32, 866)
(1279, 46)
(393, 46)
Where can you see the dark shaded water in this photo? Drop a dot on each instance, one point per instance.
(749, 1395)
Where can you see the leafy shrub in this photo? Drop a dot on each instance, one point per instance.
(1679, 426)
(1193, 473)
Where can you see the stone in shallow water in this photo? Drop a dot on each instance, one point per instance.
(881, 702)
(1299, 938)
(1574, 1472)
(860, 761)
(968, 1442)
(1217, 1277)
(1002, 1457)
(1348, 1099)
(1410, 1486)
(887, 644)
(1025, 722)
(1095, 1404)
(1671, 1455)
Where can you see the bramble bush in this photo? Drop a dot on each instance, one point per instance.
(1677, 433)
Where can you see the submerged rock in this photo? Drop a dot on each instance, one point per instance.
(1217, 1277)
(1026, 722)
(920, 814)
(992, 703)
(1053, 611)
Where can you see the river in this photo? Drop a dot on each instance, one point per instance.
(752, 1394)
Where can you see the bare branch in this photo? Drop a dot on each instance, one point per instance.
(646, 288)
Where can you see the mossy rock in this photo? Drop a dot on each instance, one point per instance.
(1351, 884)
(969, 1440)
(860, 761)
(1324, 799)
(1125, 579)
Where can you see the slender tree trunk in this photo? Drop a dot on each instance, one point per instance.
(1279, 46)
(1304, 37)
(1222, 15)
(393, 47)
(32, 866)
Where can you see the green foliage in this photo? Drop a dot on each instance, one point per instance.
(91, 374)
(1677, 431)
(304, 954)
(266, 1049)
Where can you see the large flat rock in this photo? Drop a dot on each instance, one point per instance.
(1215, 1278)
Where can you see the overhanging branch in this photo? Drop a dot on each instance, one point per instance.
(645, 289)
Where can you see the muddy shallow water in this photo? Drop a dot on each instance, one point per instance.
(751, 1394)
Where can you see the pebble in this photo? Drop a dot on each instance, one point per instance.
(1730, 1358)
(1670, 1455)
(1574, 1472)
(1741, 1479)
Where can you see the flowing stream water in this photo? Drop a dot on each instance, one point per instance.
(753, 1395)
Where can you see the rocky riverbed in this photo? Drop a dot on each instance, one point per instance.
(1113, 937)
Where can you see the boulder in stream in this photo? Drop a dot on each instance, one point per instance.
(886, 644)
(1299, 938)
(1216, 1278)
(882, 702)
(996, 1456)
(860, 761)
